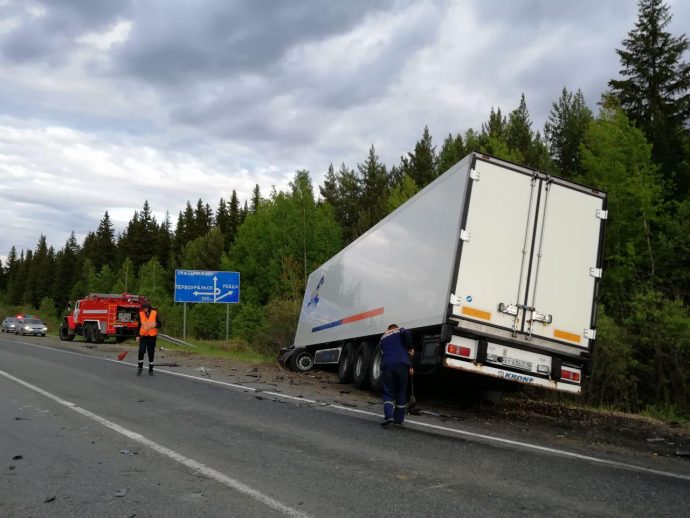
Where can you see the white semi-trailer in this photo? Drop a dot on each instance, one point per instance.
(493, 267)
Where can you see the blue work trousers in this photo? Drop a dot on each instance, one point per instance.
(395, 391)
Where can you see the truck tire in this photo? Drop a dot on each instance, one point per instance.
(301, 361)
(346, 362)
(375, 372)
(86, 330)
(96, 335)
(360, 371)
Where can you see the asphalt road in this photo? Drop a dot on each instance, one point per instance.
(95, 440)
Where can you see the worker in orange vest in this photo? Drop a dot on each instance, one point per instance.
(149, 322)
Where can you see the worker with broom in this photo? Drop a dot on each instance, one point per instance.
(396, 367)
(149, 322)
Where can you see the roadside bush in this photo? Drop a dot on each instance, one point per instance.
(660, 329)
(611, 382)
(206, 321)
(248, 322)
(48, 314)
(282, 316)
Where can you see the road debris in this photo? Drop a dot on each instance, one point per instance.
(49, 499)
(120, 493)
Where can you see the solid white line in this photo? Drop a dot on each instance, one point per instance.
(457, 431)
(190, 463)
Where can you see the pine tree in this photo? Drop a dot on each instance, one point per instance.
(564, 131)
(235, 217)
(329, 189)
(655, 91)
(164, 241)
(223, 218)
(10, 268)
(452, 151)
(256, 199)
(67, 269)
(423, 162)
(106, 251)
(497, 124)
(203, 219)
(518, 133)
(374, 192)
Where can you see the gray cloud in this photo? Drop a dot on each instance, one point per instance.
(200, 98)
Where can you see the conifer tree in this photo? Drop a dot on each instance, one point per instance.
(374, 191)
(223, 218)
(423, 161)
(452, 151)
(655, 89)
(235, 218)
(106, 251)
(564, 131)
(67, 269)
(256, 199)
(518, 133)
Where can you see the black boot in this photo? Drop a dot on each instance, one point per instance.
(141, 368)
(150, 370)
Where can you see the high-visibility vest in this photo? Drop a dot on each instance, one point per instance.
(148, 324)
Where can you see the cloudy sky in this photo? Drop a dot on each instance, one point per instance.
(105, 104)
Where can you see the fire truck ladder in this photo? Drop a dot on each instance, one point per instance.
(112, 316)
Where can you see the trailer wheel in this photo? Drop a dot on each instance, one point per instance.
(375, 372)
(346, 362)
(301, 361)
(360, 374)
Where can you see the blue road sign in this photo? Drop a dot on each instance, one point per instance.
(207, 286)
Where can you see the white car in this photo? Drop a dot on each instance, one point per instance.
(30, 326)
(9, 324)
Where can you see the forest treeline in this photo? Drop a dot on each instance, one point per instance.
(635, 145)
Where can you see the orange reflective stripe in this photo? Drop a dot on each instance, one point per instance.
(148, 324)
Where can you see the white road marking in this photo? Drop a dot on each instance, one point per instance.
(457, 431)
(190, 463)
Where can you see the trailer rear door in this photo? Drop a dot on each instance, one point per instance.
(530, 254)
(565, 263)
(494, 255)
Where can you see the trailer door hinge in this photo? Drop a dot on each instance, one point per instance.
(474, 175)
(602, 214)
(595, 272)
(464, 235)
(590, 333)
(454, 299)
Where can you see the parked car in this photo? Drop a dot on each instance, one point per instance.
(30, 326)
(8, 325)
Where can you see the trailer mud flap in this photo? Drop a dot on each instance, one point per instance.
(507, 375)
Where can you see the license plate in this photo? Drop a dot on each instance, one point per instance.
(518, 364)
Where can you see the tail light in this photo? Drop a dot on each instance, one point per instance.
(458, 350)
(570, 373)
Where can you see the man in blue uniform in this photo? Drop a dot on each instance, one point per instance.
(396, 367)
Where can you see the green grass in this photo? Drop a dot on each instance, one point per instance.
(666, 413)
(219, 349)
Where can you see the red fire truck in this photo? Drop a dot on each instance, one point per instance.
(101, 315)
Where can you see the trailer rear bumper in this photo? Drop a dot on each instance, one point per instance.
(504, 374)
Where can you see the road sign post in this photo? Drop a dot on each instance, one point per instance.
(209, 287)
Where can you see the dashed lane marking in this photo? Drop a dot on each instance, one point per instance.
(192, 464)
